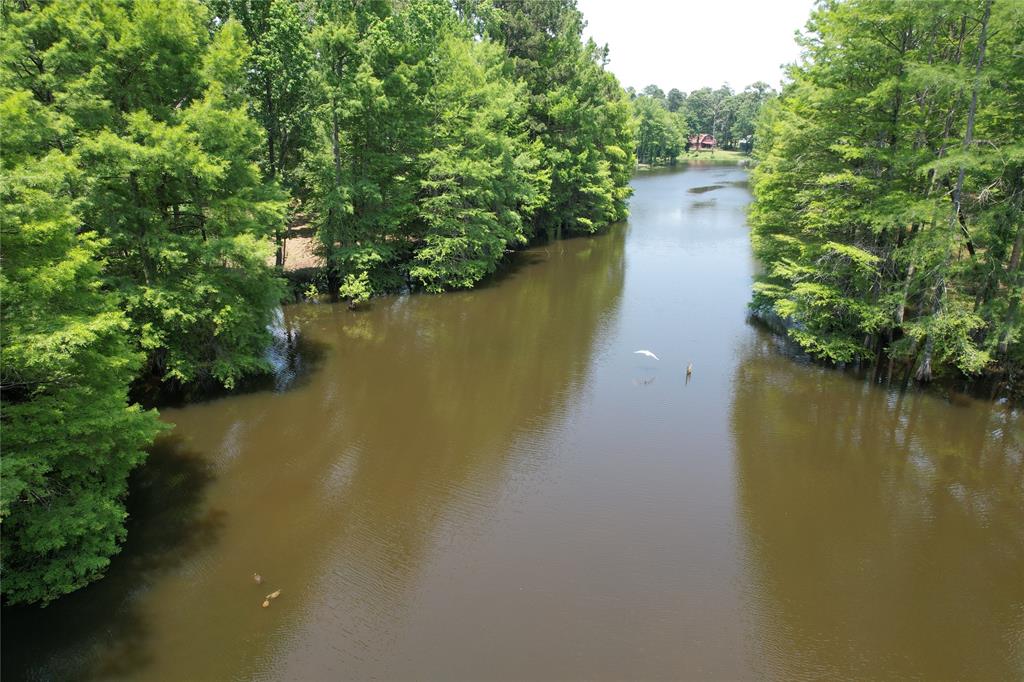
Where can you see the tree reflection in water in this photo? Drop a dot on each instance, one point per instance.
(884, 531)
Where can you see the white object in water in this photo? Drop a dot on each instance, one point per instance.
(647, 353)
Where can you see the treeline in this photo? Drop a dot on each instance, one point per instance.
(890, 191)
(153, 151)
(665, 121)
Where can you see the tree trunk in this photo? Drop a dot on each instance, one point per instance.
(924, 372)
(1013, 271)
(335, 143)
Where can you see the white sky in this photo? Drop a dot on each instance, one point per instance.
(649, 41)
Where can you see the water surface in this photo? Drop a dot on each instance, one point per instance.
(491, 484)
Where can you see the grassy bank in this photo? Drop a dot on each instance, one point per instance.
(719, 155)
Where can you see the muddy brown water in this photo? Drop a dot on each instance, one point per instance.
(491, 484)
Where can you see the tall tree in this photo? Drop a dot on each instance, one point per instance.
(675, 100)
(482, 180)
(654, 92)
(373, 126)
(156, 121)
(576, 109)
(888, 231)
(70, 436)
(747, 106)
(279, 67)
(661, 134)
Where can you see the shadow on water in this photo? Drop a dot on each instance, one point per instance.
(99, 630)
(698, 205)
(511, 268)
(292, 358)
(954, 390)
(478, 377)
(540, 251)
(705, 188)
(336, 483)
(879, 526)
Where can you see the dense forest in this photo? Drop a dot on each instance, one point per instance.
(889, 206)
(665, 121)
(153, 152)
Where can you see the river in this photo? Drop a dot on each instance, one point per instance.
(492, 484)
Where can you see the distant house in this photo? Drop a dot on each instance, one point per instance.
(702, 142)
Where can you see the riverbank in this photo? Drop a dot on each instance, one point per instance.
(891, 376)
(439, 484)
(722, 156)
(718, 155)
(304, 271)
(303, 266)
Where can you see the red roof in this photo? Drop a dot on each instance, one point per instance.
(703, 140)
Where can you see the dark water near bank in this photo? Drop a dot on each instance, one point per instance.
(491, 484)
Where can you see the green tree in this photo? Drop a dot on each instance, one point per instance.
(747, 107)
(70, 436)
(576, 109)
(154, 117)
(372, 126)
(888, 228)
(675, 100)
(279, 67)
(701, 110)
(654, 92)
(661, 134)
(482, 181)
(430, 163)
